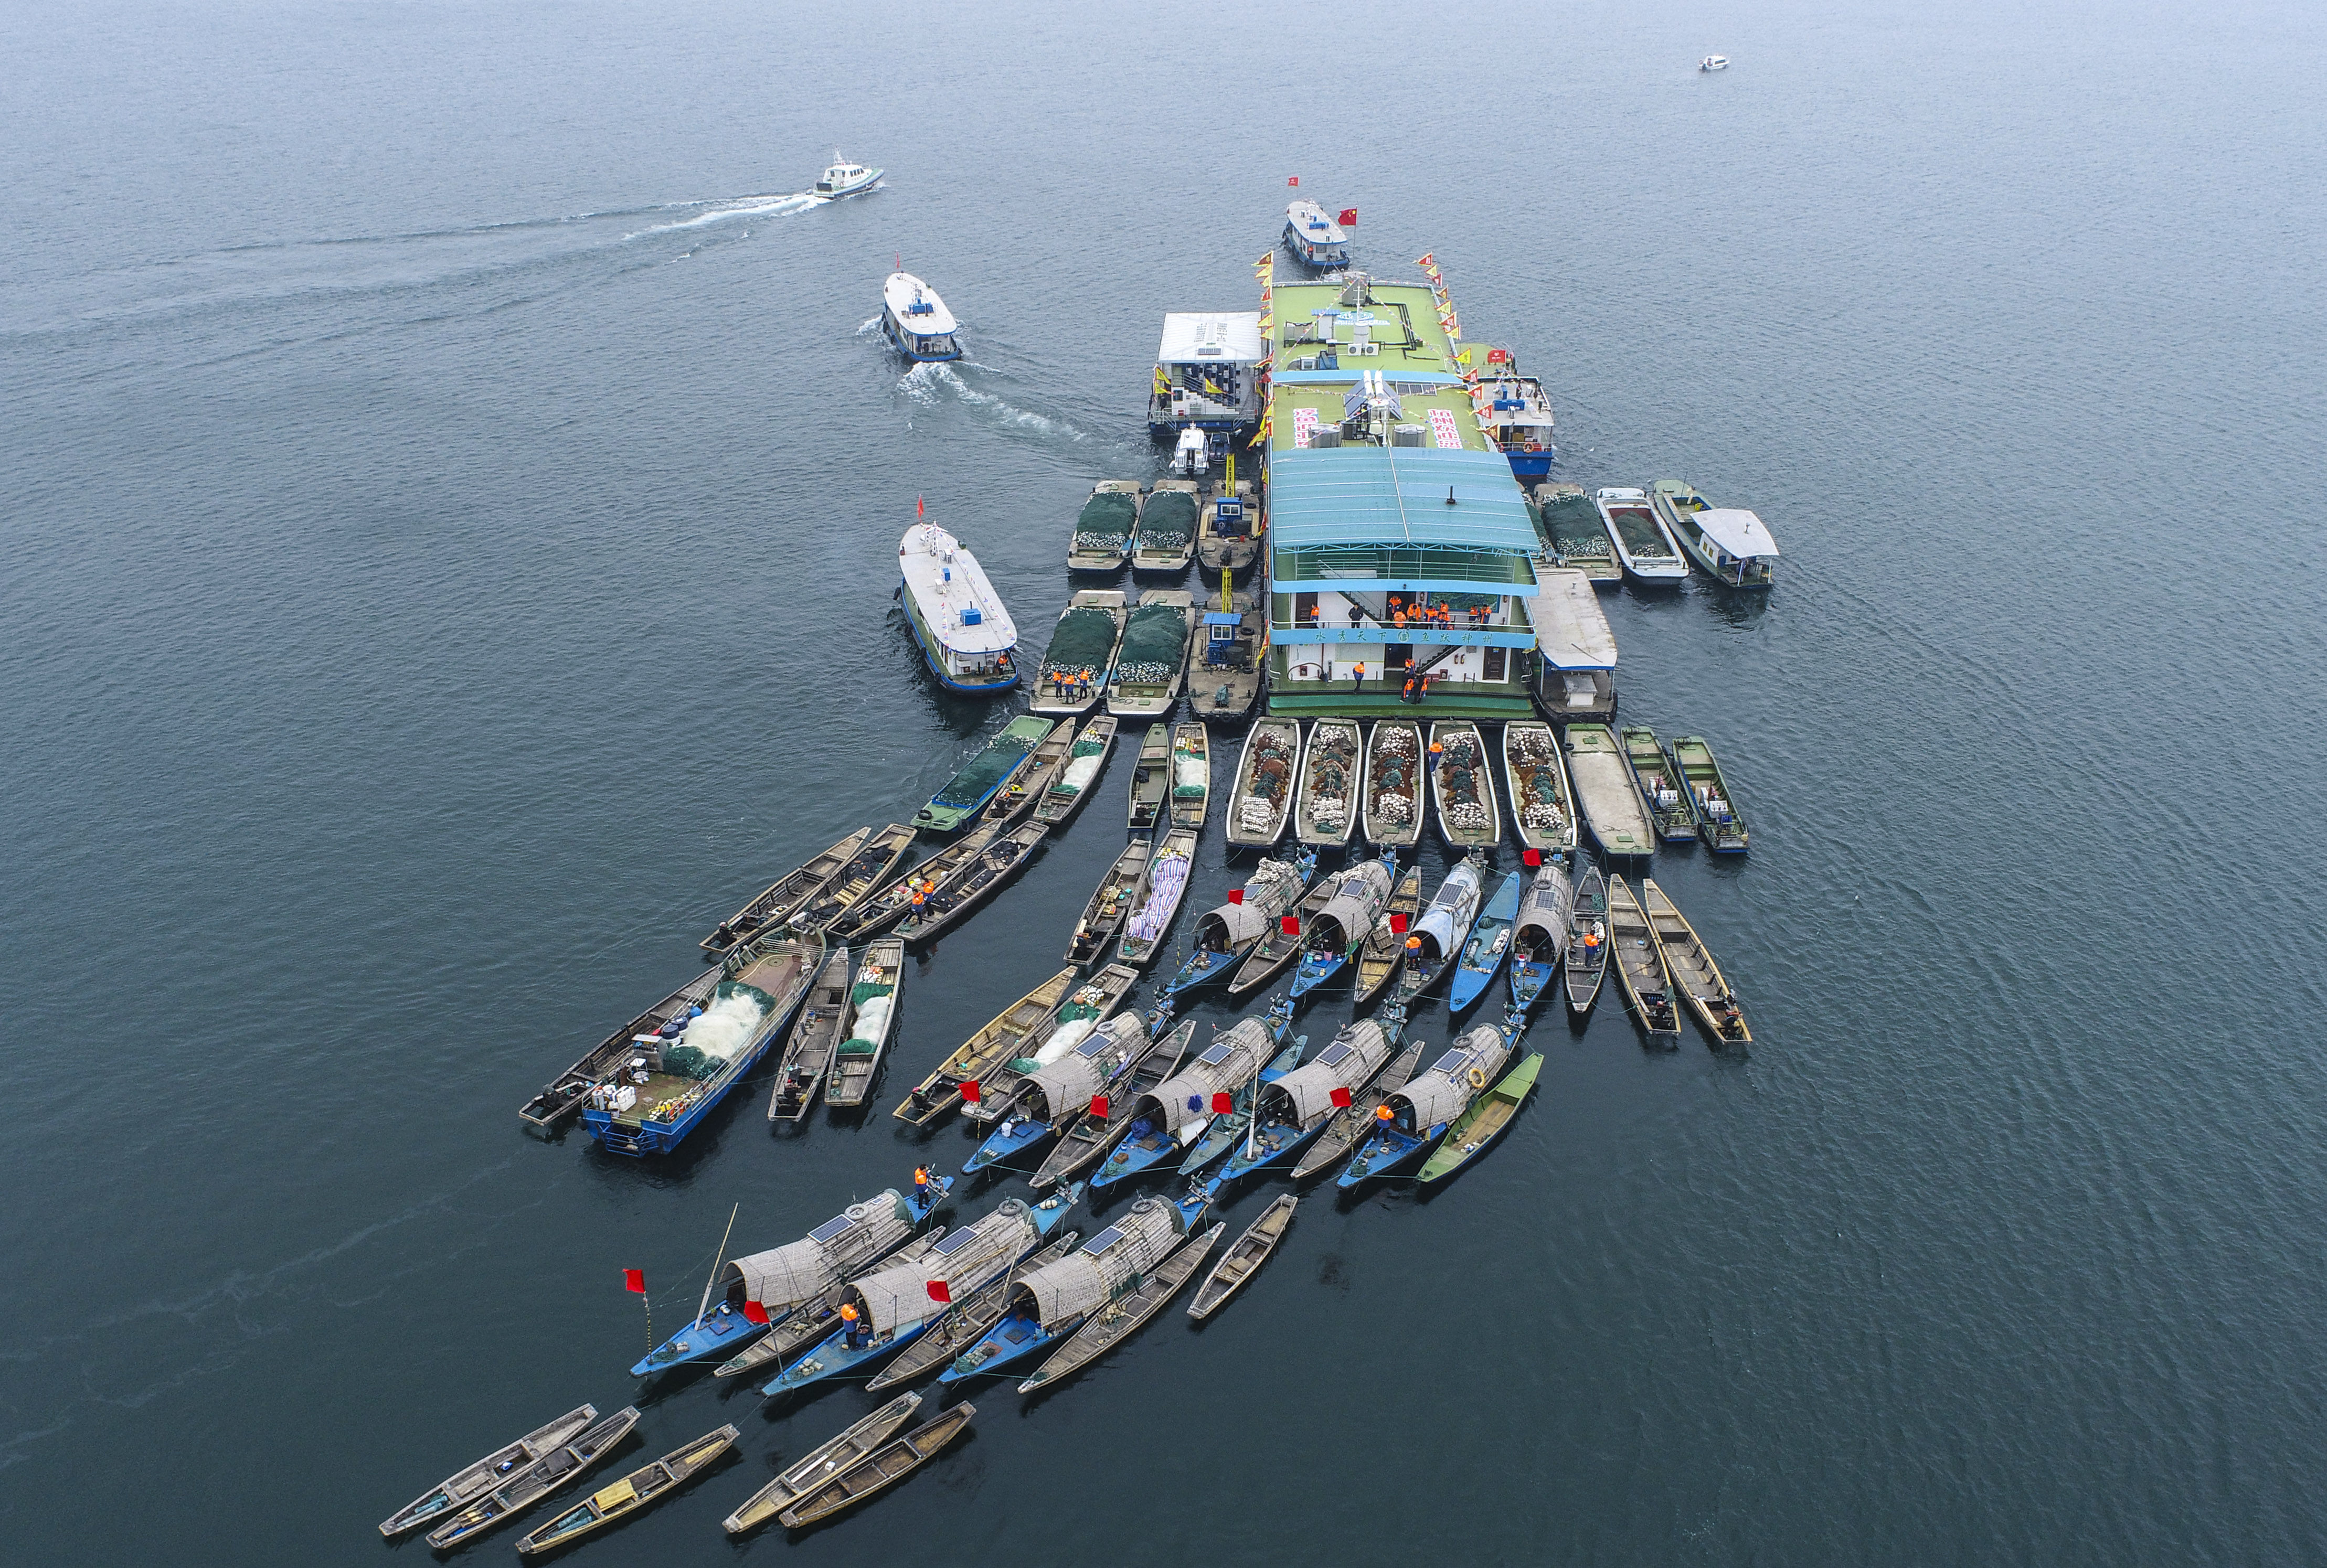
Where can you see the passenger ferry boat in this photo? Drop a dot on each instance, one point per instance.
(845, 178)
(965, 634)
(1731, 544)
(1515, 416)
(916, 320)
(1316, 238)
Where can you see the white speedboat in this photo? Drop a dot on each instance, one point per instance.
(1316, 238)
(965, 634)
(845, 178)
(917, 321)
(1643, 543)
(1713, 62)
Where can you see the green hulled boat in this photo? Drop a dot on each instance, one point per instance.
(1486, 1120)
(1662, 790)
(1718, 818)
(966, 793)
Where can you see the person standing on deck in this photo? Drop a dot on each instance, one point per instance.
(921, 1184)
(1361, 677)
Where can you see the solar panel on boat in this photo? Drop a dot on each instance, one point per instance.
(1093, 1045)
(831, 1227)
(1450, 1061)
(1334, 1055)
(953, 1241)
(1216, 1055)
(1103, 1240)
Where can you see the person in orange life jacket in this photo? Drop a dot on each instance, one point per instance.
(853, 1326)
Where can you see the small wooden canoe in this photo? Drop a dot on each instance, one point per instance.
(634, 1493)
(1610, 802)
(1385, 946)
(822, 1463)
(998, 1042)
(1262, 798)
(1126, 1314)
(1462, 789)
(521, 1489)
(786, 896)
(1025, 787)
(1718, 818)
(1543, 809)
(1243, 1260)
(564, 1094)
(1356, 1119)
(1640, 966)
(1109, 906)
(1584, 964)
(1151, 778)
(872, 1019)
(459, 1489)
(892, 902)
(881, 1469)
(1690, 963)
(1086, 1139)
(1393, 789)
(1483, 1121)
(979, 881)
(868, 869)
(959, 1328)
(1077, 777)
(1670, 811)
(1192, 775)
(816, 1034)
(1163, 883)
(1073, 1022)
(1325, 809)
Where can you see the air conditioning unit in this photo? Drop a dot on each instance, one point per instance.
(1405, 435)
(1330, 435)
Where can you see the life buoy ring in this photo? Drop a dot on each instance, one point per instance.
(1478, 1078)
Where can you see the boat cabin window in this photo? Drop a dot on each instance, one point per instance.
(1103, 1240)
(830, 1229)
(953, 1241)
(1334, 1055)
(1216, 1055)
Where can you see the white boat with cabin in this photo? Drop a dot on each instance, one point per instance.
(916, 320)
(965, 633)
(845, 178)
(1208, 376)
(1313, 237)
(1713, 62)
(1730, 543)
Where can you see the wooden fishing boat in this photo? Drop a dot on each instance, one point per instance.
(820, 1463)
(1608, 801)
(1262, 800)
(1718, 818)
(1032, 1102)
(1048, 1304)
(1228, 533)
(1433, 941)
(815, 1318)
(1124, 1317)
(894, 901)
(1542, 809)
(1087, 1135)
(1228, 1131)
(1690, 963)
(965, 794)
(1104, 530)
(1226, 684)
(1166, 541)
(1174, 1116)
(1151, 778)
(1486, 1118)
(1385, 947)
(634, 1493)
(1585, 964)
(1429, 1103)
(1462, 789)
(1729, 544)
(870, 868)
(1086, 759)
(1227, 932)
(1153, 658)
(879, 1470)
(1355, 1120)
(1572, 530)
(1639, 966)
(1192, 775)
(1014, 1026)
(1392, 789)
(1334, 932)
(816, 1034)
(463, 1486)
(1488, 944)
(1243, 1260)
(1326, 808)
(1667, 799)
(522, 1488)
(1025, 787)
(1110, 904)
(1073, 672)
(1072, 1022)
(1163, 883)
(566, 1093)
(786, 896)
(1539, 932)
(1296, 1105)
(959, 1328)
(1278, 946)
(1643, 543)
(979, 881)
(872, 1018)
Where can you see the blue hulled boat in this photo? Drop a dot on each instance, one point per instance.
(1224, 936)
(1539, 932)
(1227, 1132)
(1355, 901)
(1491, 940)
(1054, 1093)
(1175, 1113)
(1296, 1107)
(1051, 1302)
(1436, 937)
(1418, 1114)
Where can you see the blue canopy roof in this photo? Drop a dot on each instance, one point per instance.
(1374, 495)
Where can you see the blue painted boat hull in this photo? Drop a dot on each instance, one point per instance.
(1385, 1154)
(1532, 466)
(720, 1333)
(951, 683)
(1470, 984)
(1200, 969)
(1528, 981)
(1015, 1338)
(1130, 1159)
(1314, 972)
(1002, 1145)
(1265, 1157)
(833, 1358)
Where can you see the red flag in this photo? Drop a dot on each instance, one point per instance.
(1293, 179)
(920, 508)
(970, 1093)
(1533, 857)
(1397, 924)
(1099, 1106)
(754, 1312)
(1222, 1104)
(1498, 356)
(1236, 895)
(1340, 1096)
(1349, 218)
(1289, 924)
(940, 1292)
(635, 1280)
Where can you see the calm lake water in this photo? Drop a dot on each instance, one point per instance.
(450, 515)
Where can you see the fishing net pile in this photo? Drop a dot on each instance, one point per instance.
(1082, 764)
(1169, 522)
(1105, 522)
(1395, 809)
(1084, 639)
(714, 1038)
(1330, 762)
(985, 773)
(1154, 645)
(1393, 775)
(1272, 772)
(1191, 773)
(1458, 782)
(1575, 527)
(875, 1001)
(1167, 878)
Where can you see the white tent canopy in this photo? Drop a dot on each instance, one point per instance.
(1737, 530)
(1212, 338)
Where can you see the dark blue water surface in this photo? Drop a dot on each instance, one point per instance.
(449, 533)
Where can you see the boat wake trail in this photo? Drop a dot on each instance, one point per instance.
(747, 207)
(930, 383)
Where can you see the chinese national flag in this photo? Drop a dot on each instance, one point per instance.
(1236, 895)
(970, 1093)
(1222, 1104)
(1349, 218)
(1099, 1106)
(1533, 857)
(1342, 1097)
(1293, 179)
(754, 1312)
(1290, 925)
(635, 1280)
(1397, 924)
(940, 1293)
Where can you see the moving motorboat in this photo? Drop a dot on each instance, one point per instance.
(916, 320)
(845, 178)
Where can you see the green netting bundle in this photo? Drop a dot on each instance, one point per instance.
(867, 990)
(686, 1062)
(1023, 1064)
(1074, 1011)
(857, 1047)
